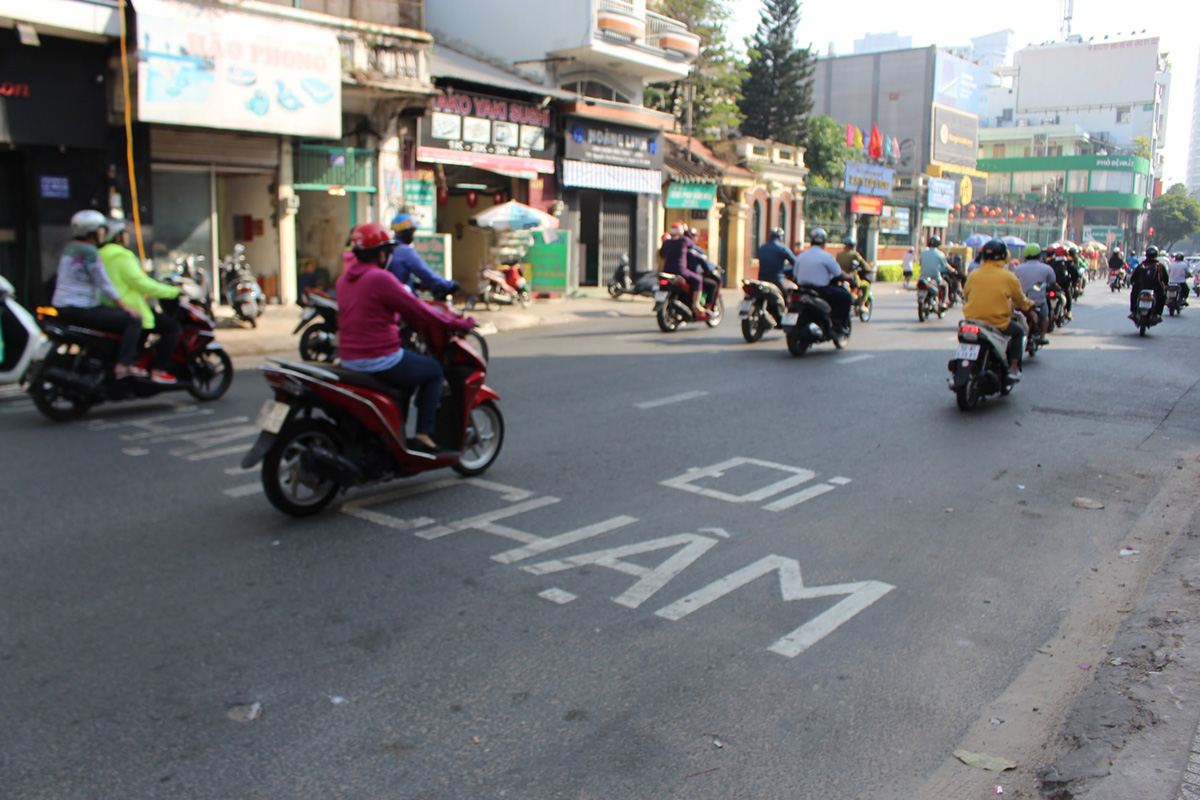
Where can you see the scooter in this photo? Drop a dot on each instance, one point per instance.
(626, 281)
(864, 298)
(241, 289)
(1116, 279)
(928, 301)
(761, 309)
(505, 285)
(77, 372)
(1175, 301)
(1144, 316)
(327, 429)
(194, 281)
(1057, 304)
(809, 321)
(979, 368)
(319, 342)
(673, 310)
(22, 342)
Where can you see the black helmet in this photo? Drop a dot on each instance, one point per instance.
(776, 234)
(1178, 256)
(935, 241)
(846, 240)
(1073, 251)
(818, 236)
(1152, 253)
(994, 250)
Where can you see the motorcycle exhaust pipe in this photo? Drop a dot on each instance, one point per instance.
(815, 330)
(331, 465)
(73, 380)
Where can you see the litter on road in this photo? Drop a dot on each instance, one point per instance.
(1129, 551)
(984, 761)
(245, 713)
(1086, 502)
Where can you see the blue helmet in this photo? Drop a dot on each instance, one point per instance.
(403, 222)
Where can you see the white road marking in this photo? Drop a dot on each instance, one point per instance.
(240, 470)
(150, 423)
(245, 490)
(164, 433)
(859, 596)
(557, 596)
(666, 401)
(685, 481)
(799, 497)
(852, 359)
(839, 481)
(17, 407)
(135, 451)
(224, 451)
(539, 546)
(484, 522)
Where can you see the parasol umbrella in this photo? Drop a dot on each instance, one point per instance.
(1013, 241)
(514, 216)
(1094, 245)
(975, 240)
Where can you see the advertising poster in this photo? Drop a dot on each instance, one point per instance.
(868, 179)
(490, 133)
(955, 137)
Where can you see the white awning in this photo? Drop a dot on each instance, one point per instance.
(586, 175)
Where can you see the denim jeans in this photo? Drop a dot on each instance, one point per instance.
(426, 375)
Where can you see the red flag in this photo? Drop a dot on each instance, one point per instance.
(875, 148)
(849, 135)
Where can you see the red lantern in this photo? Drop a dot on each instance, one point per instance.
(985, 209)
(443, 195)
(498, 198)
(970, 215)
(958, 206)
(472, 198)
(971, 207)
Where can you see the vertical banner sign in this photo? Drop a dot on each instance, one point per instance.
(548, 262)
(941, 193)
(213, 67)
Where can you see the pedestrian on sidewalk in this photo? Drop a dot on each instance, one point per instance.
(907, 266)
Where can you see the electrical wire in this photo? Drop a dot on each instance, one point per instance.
(133, 192)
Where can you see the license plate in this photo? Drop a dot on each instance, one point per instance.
(271, 415)
(660, 297)
(1145, 304)
(967, 351)
(791, 318)
(744, 307)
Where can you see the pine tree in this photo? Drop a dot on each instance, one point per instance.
(777, 89)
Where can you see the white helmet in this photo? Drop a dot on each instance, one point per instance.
(115, 227)
(87, 222)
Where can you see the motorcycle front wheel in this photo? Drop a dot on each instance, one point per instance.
(716, 314)
(318, 343)
(476, 340)
(487, 298)
(754, 325)
(288, 486)
(525, 298)
(212, 373)
(614, 290)
(54, 401)
(921, 312)
(482, 440)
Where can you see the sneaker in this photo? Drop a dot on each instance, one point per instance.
(164, 378)
(1042, 341)
(1014, 375)
(128, 371)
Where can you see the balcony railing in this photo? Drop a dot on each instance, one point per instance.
(337, 168)
(626, 22)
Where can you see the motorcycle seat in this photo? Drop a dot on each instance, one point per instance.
(353, 378)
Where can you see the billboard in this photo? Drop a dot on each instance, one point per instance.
(868, 179)
(894, 220)
(941, 193)
(955, 137)
(958, 83)
(1083, 75)
(211, 67)
(491, 133)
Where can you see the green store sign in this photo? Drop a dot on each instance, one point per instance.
(691, 195)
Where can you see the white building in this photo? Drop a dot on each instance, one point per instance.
(1193, 168)
(882, 42)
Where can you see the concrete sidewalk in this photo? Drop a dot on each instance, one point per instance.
(274, 333)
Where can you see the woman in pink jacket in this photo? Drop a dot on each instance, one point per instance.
(370, 300)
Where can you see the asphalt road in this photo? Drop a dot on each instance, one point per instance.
(775, 577)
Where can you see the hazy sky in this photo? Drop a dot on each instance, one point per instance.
(1175, 22)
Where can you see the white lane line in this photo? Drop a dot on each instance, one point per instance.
(839, 481)
(852, 359)
(796, 499)
(557, 596)
(666, 401)
(162, 433)
(245, 490)
(240, 470)
(16, 406)
(224, 451)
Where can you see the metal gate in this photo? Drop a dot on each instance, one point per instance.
(617, 211)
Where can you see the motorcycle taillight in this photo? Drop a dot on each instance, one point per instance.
(663, 282)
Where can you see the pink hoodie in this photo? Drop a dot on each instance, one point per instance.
(371, 303)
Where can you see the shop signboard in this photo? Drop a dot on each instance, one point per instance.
(548, 262)
(935, 218)
(420, 199)
(868, 179)
(1105, 234)
(476, 130)
(49, 94)
(691, 195)
(617, 145)
(894, 220)
(862, 204)
(958, 83)
(941, 193)
(955, 136)
(434, 249)
(968, 188)
(213, 67)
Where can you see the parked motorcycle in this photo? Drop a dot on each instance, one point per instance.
(77, 372)
(979, 368)
(22, 342)
(328, 429)
(503, 285)
(194, 281)
(761, 308)
(809, 321)
(1175, 300)
(319, 342)
(1143, 316)
(928, 302)
(626, 281)
(242, 291)
(673, 309)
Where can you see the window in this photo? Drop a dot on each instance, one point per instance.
(783, 218)
(998, 151)
(595, 89)
(999, 182)
(758, 217)
(1006, 115)
(1124, 115)
(1077, 180)
(1054, 150)
(1111, 181)
(1142, 180)
(760, 151)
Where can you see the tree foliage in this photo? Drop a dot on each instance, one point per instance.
(826, 152)
(1174, 216)
(716, 76)
(1140, 146)
(777, 88)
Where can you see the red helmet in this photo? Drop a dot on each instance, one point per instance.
(370, 236)
(1060, 251)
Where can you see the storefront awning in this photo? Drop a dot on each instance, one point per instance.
(586, 175)
(451, 65)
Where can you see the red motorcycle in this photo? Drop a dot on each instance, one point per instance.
(503, 285)
(328, 429)
(77, 372)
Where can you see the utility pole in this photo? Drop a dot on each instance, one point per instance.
(1066, 12)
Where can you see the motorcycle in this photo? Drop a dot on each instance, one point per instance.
(979, 368)
(1033, 339)
(626, 281)
(928, 302)
(1116, 280)
(193, 281)
(241, 288)
(864, 299)
(1058, 308)
(327, 429)
(77, 372)
(672, 309)
(809, 321)
(1143, 316)
(761, 309)
(319, 342)
(502, 286)
(22, 342)
(1175, 301)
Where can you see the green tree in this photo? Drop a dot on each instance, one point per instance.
(1140, 146)
(1174, 216)
(777, 89)
(826, 152)
(716, 76)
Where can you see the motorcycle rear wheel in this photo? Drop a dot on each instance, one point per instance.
(212, 373)
(486, 297)
(921, 312)
(317, 343)
(51, 399)
(753, 325)
(614, 290)
(287, 486)
(968, 395)
(525, 298)
(797, 345)
(482, 441)
(668, 317)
